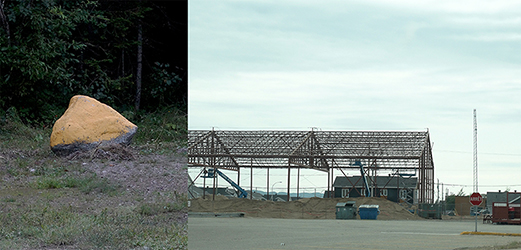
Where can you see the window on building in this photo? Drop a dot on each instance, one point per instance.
(345, 192)
(403, 194)
(362, 192)
(383, 192)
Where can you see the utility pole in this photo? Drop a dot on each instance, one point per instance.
(475, 171)
(438, 188)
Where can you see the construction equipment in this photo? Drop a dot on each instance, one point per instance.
(211, 174)
(362, 172)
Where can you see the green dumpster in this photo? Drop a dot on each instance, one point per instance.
(430, 211)
(346, 210)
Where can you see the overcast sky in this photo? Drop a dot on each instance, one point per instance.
(365, 65)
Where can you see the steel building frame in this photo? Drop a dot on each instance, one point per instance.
(382, 152)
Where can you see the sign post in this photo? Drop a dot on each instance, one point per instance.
(476, 199)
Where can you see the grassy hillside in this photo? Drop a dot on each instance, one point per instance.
(117, 198)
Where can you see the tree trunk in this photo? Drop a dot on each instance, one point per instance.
(122, 62)
(139, 64)
(3, 18)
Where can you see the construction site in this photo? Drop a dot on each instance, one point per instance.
(378, 183)
(395, 170)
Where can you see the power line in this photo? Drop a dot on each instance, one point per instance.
(470, 185)
(481, 153)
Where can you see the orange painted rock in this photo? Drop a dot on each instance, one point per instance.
(88, 123)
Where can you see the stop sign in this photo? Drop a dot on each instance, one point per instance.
(476, 199)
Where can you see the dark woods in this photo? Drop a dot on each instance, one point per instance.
(131, 55)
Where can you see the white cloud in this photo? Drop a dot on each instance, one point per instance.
(491, 37)
(450, 6)
(485, 21)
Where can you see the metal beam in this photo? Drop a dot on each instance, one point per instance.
(387, 150)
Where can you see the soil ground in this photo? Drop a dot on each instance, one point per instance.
(148, 177)
(308, 208)
(126, 180)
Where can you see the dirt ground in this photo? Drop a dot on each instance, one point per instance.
(309, 208)
(139, 178)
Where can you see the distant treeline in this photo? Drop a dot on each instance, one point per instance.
(131, 55)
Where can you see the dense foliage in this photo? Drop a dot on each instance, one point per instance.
(51, 50)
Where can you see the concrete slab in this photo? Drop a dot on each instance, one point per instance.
(261, 233)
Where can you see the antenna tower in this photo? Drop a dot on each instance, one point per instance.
(475, 171)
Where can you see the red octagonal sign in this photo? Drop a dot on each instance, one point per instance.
(476, 199)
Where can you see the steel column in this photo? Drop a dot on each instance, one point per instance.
(298, 180)
(289, 178)
(268, 183)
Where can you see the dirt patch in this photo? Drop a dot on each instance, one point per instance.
(309, 208)
(123, 197)
(107, 152)
(139, 178)
(148, 176)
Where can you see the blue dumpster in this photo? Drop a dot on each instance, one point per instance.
(368, 212)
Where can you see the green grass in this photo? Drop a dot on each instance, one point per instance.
(162, 131)
(15, 134)
(87, 185)
(38, 226)
(48, 183)
(150, 209)
(8, 199)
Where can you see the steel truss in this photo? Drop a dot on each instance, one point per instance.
(382, 152)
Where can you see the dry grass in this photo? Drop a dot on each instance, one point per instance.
(40, 226)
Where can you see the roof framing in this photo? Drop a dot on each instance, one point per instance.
(391, 151)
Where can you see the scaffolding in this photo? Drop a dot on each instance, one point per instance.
(382, 153)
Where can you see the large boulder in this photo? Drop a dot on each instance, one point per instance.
(86, 124)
